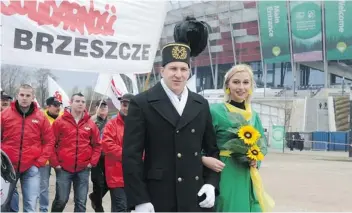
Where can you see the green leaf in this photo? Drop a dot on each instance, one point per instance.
(233, 130)
(237, 119)
(236, 145)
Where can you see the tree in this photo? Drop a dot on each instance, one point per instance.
(11, 77)
(88, 93)
(41, 77)
(74, 90)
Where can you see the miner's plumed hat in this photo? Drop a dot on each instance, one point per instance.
(191, 38)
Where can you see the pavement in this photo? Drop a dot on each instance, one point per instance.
(297, 181)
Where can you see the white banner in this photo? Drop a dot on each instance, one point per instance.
(82, 35)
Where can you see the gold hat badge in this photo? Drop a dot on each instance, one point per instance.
(179, 52)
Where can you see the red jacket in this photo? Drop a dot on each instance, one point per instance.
(112, 146)
(28, 138)
(77, 145)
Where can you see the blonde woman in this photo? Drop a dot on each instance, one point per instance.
(236, 191)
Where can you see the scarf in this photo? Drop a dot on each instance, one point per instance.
(179, 104)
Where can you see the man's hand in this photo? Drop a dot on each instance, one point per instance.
(58, 167)
(209, 191)
(89, 165)
(145, 207)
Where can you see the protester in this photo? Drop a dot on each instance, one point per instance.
(5, 100)
(27, 138)
(112, 145)
(98, 179)
(77, 150)
(52, 112)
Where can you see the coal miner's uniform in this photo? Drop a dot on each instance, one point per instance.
(172, 172)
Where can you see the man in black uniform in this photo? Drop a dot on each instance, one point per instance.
(100, 187)
(173, 126)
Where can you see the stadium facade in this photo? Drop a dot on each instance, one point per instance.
(235, 38)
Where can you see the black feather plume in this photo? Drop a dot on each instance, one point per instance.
(193, 33)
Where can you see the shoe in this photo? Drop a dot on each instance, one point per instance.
(92, 202)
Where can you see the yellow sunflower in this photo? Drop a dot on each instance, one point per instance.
(248, 134)
(254, 153)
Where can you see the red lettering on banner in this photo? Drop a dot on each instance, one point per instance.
(72, 15)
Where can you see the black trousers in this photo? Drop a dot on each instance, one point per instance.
(118, 200)
(100, 187)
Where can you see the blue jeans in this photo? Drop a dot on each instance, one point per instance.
(15, 201)
(44, 188)
(30, 182)
(80, 182)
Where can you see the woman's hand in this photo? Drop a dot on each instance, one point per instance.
(253, 163)
(213, 163)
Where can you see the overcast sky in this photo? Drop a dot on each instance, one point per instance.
(68, 80)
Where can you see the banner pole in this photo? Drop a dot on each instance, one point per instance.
(293, 66)
(147, 81)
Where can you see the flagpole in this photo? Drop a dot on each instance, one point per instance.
(293, 67)
(324, 46)
(263, 65)
(147, 81)
(232, 38)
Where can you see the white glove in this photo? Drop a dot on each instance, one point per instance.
(209, 191)
(144, 207)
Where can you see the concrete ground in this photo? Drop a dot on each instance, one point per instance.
(298, 181)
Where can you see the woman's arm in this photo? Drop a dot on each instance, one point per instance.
(213, 163)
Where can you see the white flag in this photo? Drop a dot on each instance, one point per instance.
(56, 91)
(133, 78)
(112, 86)
(191, 83)
(36, 101)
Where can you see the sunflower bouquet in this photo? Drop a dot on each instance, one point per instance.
(247, 143)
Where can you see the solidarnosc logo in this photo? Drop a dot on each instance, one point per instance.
(73, 16)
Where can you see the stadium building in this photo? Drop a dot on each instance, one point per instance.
(304, 96)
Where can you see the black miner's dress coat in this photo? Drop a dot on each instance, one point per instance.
(172, 172)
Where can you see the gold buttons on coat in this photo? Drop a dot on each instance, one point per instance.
(177, 131)
(196, 154)
(179, 179)
(197, 178)
(179, 155)
(193, 130)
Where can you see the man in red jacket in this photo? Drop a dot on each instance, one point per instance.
(27, 138)
(77, 150)
(112, 147)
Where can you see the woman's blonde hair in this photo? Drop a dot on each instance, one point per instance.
(235, 69)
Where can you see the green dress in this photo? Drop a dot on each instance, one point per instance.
(236, 192)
